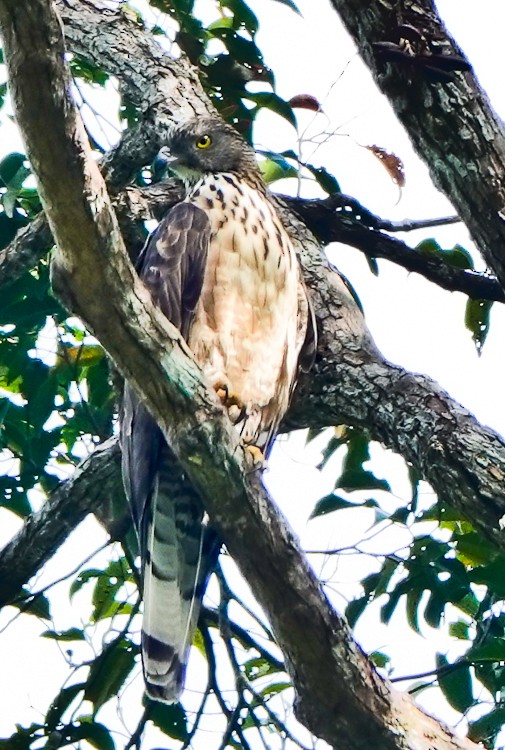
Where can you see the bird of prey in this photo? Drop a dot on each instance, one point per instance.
(222, 268)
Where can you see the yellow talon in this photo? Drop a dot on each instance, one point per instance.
(222, 393)
(227, 399)
(257, 455)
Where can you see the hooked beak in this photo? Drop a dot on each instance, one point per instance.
(163, 163)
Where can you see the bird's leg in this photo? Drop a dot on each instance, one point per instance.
(231, 401)
(256, 455)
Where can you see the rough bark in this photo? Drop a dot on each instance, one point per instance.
(367, 234)
(451, 123)
(340, 697)
(95, 483)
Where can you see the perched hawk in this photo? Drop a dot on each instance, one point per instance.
(223, 270)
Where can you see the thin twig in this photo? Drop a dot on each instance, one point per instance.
(198, 716)
(136, 737)
(212, 616)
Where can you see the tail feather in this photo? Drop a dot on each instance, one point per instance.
(180, 552)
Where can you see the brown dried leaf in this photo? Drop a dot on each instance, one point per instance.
(391, 163)
(305, 101)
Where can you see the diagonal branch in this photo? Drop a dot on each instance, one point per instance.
(94, 483)
(331, 222)
(448, 117)
(340, 697)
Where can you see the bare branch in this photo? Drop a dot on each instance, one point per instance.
(448, 117)
(352, 224)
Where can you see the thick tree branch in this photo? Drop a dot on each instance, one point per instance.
(329, 221)
(450, 122)
(95, 482)
(340, 696)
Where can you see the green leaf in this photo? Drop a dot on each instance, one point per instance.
(276, 168)
(429, 247)
(487, 727)
(37, 605)
(492, 575)
(414, 597)
(275, 689)
(95, 733)
(242, 15)
(380, 659)
(273, 102)
(83, 577)
(459, 630)
(372, 264)
(242, 50)
(361, 480)
(458, 257)
(72, 634)
(331, 503)
(492, 650)
(455, 683)
(389, 567)
(10, 166)
(171, 719)
(290, 4)
(473, 550)
(477, 320)
(389, 607)
(434, 609)
(82, 68)
(109, 671)
(61, 703)
(324, 179)
(107, 586)
(355, 609)
(469, 604)
(13, 497)
(258, 667)
(22, 738)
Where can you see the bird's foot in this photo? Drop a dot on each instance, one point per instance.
(226, 397)
(231, 401)
(256, 456)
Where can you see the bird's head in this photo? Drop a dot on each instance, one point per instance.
(204, 145)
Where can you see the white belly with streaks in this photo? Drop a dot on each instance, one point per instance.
(245, 330)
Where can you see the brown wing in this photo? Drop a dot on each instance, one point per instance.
(173, 261)
(178, 550)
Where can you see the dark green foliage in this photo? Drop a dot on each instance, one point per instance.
(449, 575)
(170, 719)
(476, 311)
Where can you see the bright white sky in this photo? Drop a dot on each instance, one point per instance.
(415, 324)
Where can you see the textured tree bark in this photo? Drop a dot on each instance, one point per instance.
(340, 697)
(328, 226)
(95, 485)
(451, 124)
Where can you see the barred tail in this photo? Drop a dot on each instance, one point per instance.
(180, 553)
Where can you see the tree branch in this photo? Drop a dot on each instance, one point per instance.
(448, 117)
(94, 482)
(362, 230)
(340, 697)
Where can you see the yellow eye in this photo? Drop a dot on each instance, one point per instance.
(204, 141)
